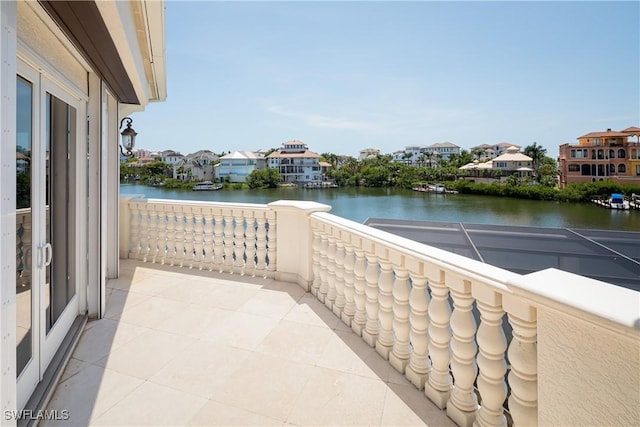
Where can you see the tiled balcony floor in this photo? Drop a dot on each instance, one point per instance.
(183, 347)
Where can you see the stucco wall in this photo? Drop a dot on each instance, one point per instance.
(587, 375)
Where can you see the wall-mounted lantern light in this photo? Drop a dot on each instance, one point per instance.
(128, 138)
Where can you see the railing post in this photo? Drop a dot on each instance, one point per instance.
(340, 301)
(463, 404)
(419, 364)
(399, 356)
(438, 386)
(331, 271)
(294, 238)
(359, 284)
(227, 265)
(372, 273)
(324, 284)
(385, 303)
(349, 291)
(207, 240)
(218, 240)
(523, 358)
(261, 244)
(315, 286)
(493, 345)
(128, 231)
(250, 244)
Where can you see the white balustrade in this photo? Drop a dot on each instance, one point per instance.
(396, 293)
(491, 362)
(385, 304)
(438, 386)
(349, 292)
(331, 271)
(340, 301)
(359, 285)
(207, 240)
(371, 275)
(401, 351)
(324, 283)
(218, 240)
(315, 286)
(419, 364)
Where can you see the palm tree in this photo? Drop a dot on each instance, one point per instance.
(537, 154)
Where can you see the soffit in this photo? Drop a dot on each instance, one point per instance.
(82, 23)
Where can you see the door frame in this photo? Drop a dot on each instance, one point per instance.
(45, 345)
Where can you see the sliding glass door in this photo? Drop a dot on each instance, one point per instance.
(46, 242)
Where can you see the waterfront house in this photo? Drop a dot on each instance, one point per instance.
(426, 155)
(609, 155)
(170, 157)
(492, 151)
(510, 163)
(198, 166)
(237, 166)
(368, 153)
(295, 163)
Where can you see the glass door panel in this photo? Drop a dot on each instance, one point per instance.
(60, 132)
(24, 225)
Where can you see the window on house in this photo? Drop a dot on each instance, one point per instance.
(574, 168)
(622, 168)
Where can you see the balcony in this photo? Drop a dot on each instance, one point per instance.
(242, 314)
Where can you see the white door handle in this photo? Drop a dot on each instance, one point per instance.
(48, 251)
(48, 255)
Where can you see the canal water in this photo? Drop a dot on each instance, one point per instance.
(358, 204)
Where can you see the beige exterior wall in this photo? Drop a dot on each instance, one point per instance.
(609, 368)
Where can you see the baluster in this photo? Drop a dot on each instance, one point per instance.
(324, 284)
(463, 404)
(359, 286)
(207, 239)
(523, 358)
(238, 242)
(438, 386)
(493, 367)
(250, 245)
(261, 245)
(228, 241)
(179, 238)
(385, 303)
(188, 238)
(331, 272)
(349, 264)
(153, 234)
(339, 303)
(401, 351)
(198, 239)
(144, 234)
(170, 242)
(272, 244)
(419, 364)
(315, 285)
(372, 272)
(218, 240)
(134, 231)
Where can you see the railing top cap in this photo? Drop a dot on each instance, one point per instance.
(300, 205)
(553, 287)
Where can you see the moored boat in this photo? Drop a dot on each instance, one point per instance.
(206, 186)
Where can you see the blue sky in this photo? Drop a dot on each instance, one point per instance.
(343, 76)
